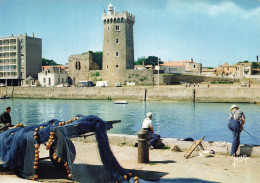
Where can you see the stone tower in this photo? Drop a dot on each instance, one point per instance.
(118, 47)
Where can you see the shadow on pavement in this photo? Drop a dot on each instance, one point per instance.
(163, 162)
(184, 180)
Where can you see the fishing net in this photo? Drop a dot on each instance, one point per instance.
(19, 149)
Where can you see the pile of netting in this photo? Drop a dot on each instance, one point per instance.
(19, 148)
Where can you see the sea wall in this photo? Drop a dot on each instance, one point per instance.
(218, 147)
(222, 94)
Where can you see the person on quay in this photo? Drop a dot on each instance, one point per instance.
(235, 124)
(5, 119)
(148, 125)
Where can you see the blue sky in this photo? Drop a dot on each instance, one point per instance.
(210, 31)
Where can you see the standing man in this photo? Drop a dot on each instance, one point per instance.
(5, 119)
(235, 124)
(148, 125)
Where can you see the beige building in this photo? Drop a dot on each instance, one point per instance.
(20, 57)
(181, 67)
(238, 70)
(53, 76)
(79, 67)
(118, 45)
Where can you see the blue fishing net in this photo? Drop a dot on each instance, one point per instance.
(17, 147)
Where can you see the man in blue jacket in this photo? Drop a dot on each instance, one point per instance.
(235, 124)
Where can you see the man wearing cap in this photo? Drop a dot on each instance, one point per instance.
(148, 125)
(235, 124)
(5, 119)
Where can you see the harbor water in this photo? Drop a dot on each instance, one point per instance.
(170, 119)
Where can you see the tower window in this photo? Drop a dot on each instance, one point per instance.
(117, 66)
(77, 65)
(117, 28)
(108, 28)
(117, 40)
(108, 41)
(117, 54)
(107, 66)
(107, 54)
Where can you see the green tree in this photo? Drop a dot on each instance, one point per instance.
(255, 65)
(150, 60)
(140, 61)
(47, 62)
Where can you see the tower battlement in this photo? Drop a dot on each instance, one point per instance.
(117, 17)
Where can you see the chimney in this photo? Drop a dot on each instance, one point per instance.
(32, 34)
(191, 60)
(257, 58)
(12, 35)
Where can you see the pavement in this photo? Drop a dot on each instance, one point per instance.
(165, 166)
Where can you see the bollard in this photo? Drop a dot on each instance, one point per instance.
(143, 146)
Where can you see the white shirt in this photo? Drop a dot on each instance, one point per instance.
(147, 123)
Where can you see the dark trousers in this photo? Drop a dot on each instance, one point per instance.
(153, 138)
(235, 127)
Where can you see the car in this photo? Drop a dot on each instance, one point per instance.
(85, 84)
(2, 85)
(63, 85)
(243, 84)
(118, 85)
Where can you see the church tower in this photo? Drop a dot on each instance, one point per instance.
(118, 46)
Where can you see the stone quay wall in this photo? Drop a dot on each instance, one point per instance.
(221, 94)
(218, 147)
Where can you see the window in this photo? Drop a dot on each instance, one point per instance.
(49, 81)
(116, 66)
(107, 28)
(117, 54)
(108, 41)
(117, 40)
(107, 54)
(44, 80)
(77, 65)
(194, 66)
(107, 66)
(117, 28)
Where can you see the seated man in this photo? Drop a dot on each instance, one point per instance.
(148, 125)
(5, 119)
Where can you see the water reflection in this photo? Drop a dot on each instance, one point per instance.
(171, 119)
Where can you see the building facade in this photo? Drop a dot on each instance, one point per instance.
(20, 57)
(118, 45)
(52, 76)
(181, 67)
(80, 67)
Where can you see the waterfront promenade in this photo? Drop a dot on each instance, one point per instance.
(216, 93)
(165, 166)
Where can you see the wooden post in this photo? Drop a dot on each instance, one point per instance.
(145, 90)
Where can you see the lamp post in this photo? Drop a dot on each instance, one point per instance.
(158, 72)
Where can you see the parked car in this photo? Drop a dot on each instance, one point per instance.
(118, 85)
(63, 85)
(2, 85)
(243, 84)
(85, 84)
(102, 83)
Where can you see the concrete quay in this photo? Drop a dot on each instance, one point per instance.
(219, 147)
(164, 166)
(219, 93)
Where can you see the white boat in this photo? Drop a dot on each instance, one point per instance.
(121, 102)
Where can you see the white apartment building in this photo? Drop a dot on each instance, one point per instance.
(20, 57)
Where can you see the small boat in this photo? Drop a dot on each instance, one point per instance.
(121, 102)
(4, 97)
